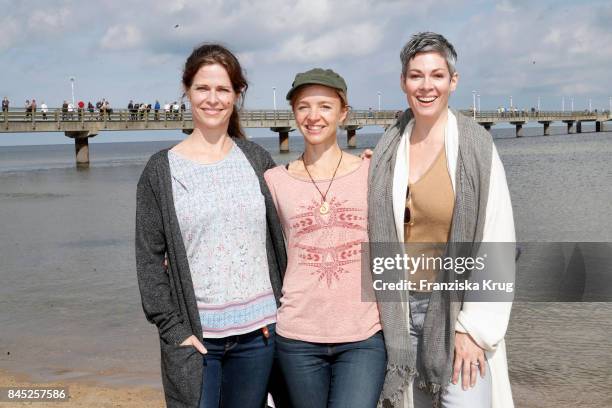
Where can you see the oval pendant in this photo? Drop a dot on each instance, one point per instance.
(324, 209)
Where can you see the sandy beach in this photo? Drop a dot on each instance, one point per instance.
(87, 393)
(70, 309)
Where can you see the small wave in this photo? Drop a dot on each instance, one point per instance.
(32, 195)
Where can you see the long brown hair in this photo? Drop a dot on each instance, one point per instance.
(209, 54)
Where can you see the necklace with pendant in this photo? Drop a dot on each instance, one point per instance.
(324, 208)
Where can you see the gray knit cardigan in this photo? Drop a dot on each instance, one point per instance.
(168, 297)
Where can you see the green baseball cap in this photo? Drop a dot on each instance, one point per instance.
(318, 76)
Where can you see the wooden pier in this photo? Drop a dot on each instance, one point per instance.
(81, 125)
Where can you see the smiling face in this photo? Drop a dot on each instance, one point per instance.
(212, 97)
(428, 84)
(318, 111)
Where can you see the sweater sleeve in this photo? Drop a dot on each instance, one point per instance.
(269, 176)
(486, 322)
(153, 280)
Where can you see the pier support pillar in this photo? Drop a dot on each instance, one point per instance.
(571, 126)
(546, 128)
(351, 136)
(519, 128)
(598, 126)
(486, 125)
(579, 127)
(283, 138)
(81, 147)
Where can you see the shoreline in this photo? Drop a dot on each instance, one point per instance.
(87, 393)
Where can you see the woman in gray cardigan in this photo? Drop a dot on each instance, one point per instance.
(204, 205)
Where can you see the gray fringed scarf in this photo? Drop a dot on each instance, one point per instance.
(472, 186)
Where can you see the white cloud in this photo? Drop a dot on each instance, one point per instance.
(121, 38)
(174, 6)
(49, 21)
(247, 59)
(505, 6)
(546, 50)
(497, 43)
(356, 40)
(10, 32)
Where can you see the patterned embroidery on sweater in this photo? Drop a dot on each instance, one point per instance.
(328, 253)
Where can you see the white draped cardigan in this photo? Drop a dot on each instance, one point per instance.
(485, 322)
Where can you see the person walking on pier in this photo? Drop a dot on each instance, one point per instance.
(156, 109)
(5, 104)
(80, 109)
(64, 110)
(70, 111)
(44, 109)
(436, 176)
(204, 205)
(130, 108)
(175, 108)
(99, 108)
(329, 343)
(28, 110)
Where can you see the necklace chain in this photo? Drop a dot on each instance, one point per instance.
(323, 196)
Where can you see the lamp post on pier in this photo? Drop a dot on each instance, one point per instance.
(563, 104)
(379, 100)
(474, 104)
(274, 97)
(590, 106)
(72, 79)
(478, 99)
(572, 102)
(538, 103)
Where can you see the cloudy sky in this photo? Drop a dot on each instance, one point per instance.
(123, 50)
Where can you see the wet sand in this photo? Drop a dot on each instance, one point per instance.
(86, 393)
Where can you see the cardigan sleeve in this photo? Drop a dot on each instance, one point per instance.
(153, 280)
(486, 322)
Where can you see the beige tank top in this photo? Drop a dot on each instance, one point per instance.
(429, 211)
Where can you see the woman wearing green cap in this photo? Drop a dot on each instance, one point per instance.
(329, 343)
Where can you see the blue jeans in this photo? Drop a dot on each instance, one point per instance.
(454, 397)
(236, 370)
(339, 375)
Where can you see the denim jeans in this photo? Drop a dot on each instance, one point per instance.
(236, 370)
(337, 375)
(454, 397)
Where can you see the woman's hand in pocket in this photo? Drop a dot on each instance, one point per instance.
(194, 342)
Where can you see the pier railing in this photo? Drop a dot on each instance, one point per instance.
(81, 124)
(111, 119)
(509, 116)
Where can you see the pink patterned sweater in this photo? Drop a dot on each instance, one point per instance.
(322, 289)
